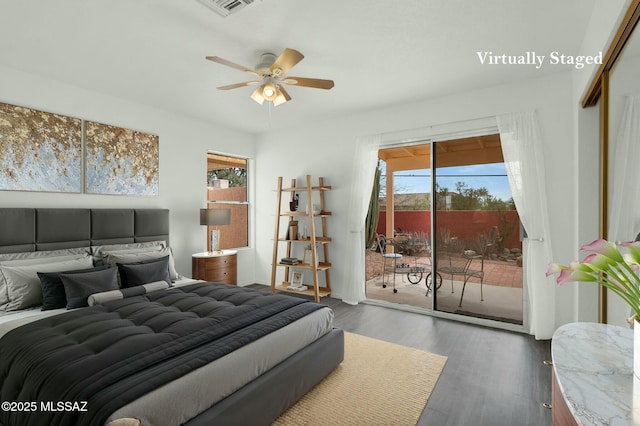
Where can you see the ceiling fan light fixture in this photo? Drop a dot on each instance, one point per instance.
(282, 97)
(269, 91)
(271, 72)
(257, 95)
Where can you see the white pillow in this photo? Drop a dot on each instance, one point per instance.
(113, 258)
(35, 258)
(23, 284)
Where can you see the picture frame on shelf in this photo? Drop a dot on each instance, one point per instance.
(296, 278)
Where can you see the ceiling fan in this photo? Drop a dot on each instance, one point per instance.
(271, 73)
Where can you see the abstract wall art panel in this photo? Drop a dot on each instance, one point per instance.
(120, 161)
(39, 151)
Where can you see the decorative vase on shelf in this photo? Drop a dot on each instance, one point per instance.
(308, 257)
(293, 204)
(315, 209)
(293, 230)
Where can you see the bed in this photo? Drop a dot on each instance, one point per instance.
(173, 351)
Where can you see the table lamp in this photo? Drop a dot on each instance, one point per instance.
(215, 217)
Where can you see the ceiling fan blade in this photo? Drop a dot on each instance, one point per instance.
(235, 86)
(282, 97)
(287, 60)
(233, 65)
(309, 82)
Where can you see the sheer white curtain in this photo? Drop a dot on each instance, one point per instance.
(364, 166)
(524, 161)
(624, 218)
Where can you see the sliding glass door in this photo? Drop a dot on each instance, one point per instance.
(478, 252)
(448, 224)
(399, 260)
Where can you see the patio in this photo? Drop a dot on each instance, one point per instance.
(502, 289)
(461, 223)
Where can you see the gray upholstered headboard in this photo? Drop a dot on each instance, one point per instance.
(37, 229)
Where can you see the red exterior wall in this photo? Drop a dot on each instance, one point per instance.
(464, 224)
(236, 234)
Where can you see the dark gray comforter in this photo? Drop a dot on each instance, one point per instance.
(109, 355)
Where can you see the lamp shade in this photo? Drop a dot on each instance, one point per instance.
(215, 217)
(257, 95)
(269, 91)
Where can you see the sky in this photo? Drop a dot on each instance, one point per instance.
(490, 176)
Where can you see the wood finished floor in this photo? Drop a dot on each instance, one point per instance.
(492, 377)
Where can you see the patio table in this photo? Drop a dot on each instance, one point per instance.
(414, 273)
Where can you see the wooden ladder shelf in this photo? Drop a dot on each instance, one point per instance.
(287, 246)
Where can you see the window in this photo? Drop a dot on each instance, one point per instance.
(227, 189)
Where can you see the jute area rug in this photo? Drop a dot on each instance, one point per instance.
(378, 383)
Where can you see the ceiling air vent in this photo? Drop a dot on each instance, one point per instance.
(225, 8)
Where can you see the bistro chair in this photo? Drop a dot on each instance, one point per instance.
(457, 264)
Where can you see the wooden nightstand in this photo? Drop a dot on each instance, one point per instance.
(215, 267)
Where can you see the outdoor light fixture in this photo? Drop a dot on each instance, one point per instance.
(215, 217)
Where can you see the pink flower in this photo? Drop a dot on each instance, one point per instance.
(555, 268)
(616, 269)
(598, 261)
(605, 248)
(634, 250)
(576, 271)
(574, 275)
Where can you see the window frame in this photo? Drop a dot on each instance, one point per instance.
(231, 203)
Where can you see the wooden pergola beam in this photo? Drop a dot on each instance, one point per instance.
(215, 162)
(460, 152)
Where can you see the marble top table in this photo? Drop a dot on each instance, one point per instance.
(593, 366)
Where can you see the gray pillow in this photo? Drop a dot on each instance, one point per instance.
(33, 258)
(144, 272)
(79, 286)
(53, 295)
(22, 284)
(100, 252)
(4, 257)
(107, 296)
(114, 258)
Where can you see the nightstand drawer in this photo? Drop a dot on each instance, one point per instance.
(215, 267)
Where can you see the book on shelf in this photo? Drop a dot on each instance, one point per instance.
(290, 260)
(301, 287)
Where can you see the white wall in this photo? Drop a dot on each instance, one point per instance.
(184, 143)
(326, 149)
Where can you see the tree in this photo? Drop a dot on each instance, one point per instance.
(236, 176)
(371, 223)
(466, 198)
